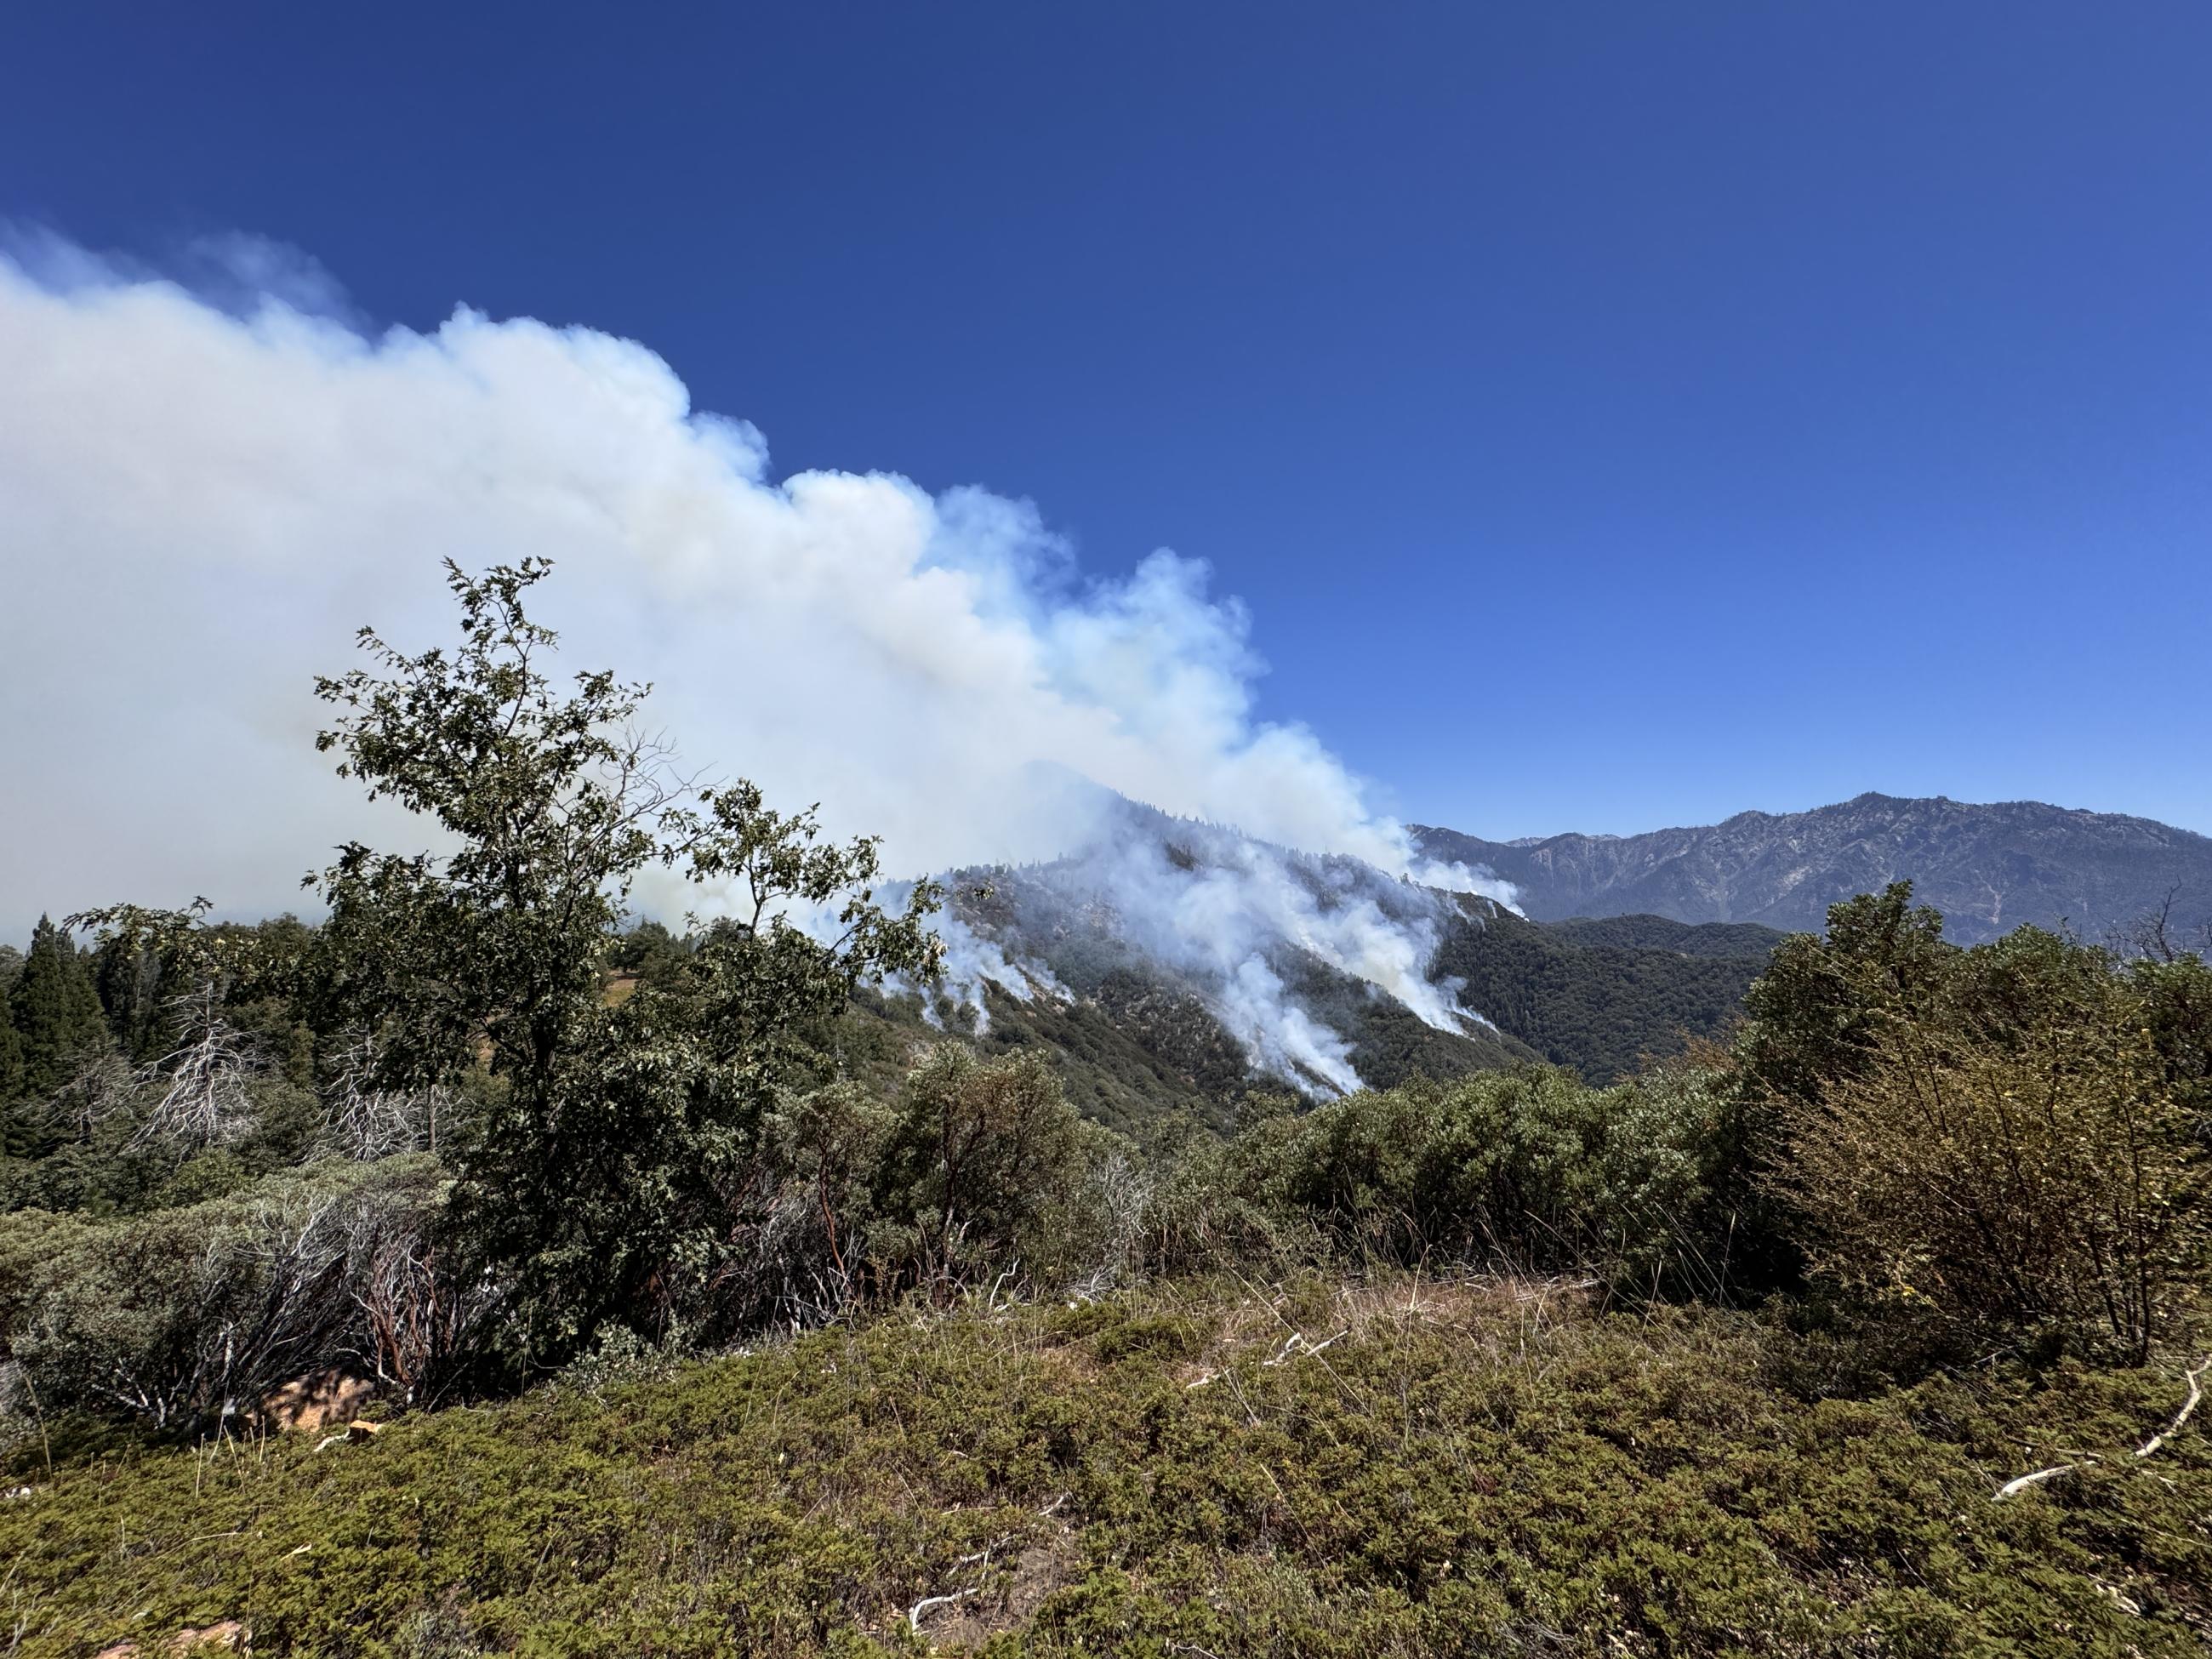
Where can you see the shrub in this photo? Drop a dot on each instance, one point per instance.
(1459, 1472)
(1531, 1170)
(986, 1167)
(195, 1312)
(2044, 1177)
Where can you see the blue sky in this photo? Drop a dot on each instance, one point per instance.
(1612, 416)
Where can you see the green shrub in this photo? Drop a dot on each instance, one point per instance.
(2008, 1140)
(2047, 1178)
(1529, 1169)
(1458, 1472)
(1157, 1337)
(189, 1314)
(985, 1168)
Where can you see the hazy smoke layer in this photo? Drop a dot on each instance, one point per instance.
(203, 492)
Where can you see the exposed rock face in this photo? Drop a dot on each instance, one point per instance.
(1988, 869)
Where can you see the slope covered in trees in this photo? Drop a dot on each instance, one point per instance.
(1577, 998)
(1738, 941)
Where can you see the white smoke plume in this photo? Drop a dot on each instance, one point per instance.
(1224, 915)
(204, 489)
(973, 960)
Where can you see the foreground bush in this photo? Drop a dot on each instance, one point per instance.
(2047, 1182)
(2010, 1137)
(1529, 1169)
(194, 1313)
(1398, 1466)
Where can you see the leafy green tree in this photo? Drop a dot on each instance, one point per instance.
(56, 1011)
(1814, 1012)
(650, 954)
(621, 1144)
(1814, 1019)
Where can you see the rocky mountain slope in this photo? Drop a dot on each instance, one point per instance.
(1987, 868)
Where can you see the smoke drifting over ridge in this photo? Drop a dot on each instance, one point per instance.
(204, 490)
(1228, 918)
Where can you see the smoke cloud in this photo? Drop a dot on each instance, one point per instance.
(210, 479)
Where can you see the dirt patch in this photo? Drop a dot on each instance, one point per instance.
(1074, 1361)
(319, 1401)
(1040, 1568)
(228, 1635)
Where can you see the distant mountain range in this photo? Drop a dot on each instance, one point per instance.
(1988, 869)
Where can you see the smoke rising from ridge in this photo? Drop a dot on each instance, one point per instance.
(204, 490)
(1219, 913)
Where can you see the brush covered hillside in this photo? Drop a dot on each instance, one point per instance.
(1398, 1464)
(468, 1272)
(1988, 869)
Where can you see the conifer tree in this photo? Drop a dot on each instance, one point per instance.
(127, 978)
(11, 1056)
(56, 1011)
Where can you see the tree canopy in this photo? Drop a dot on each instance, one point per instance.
(619, 1136)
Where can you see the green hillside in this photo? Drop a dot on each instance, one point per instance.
(1605, 996)
(1736, 940)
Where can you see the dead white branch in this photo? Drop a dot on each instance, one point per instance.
(927, 1602)
(2012, 1487)
(206, 1101)
(2194, 1376)
(369, 1121)
(1295, 1345)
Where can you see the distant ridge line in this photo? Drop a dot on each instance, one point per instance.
(1989, 867)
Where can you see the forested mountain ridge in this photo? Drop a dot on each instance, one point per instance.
(1987, 868)
(1230, 964)
(1735, 940)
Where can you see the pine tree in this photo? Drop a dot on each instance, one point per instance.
(127, 977)
(57, 1012)
(11, 1056)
